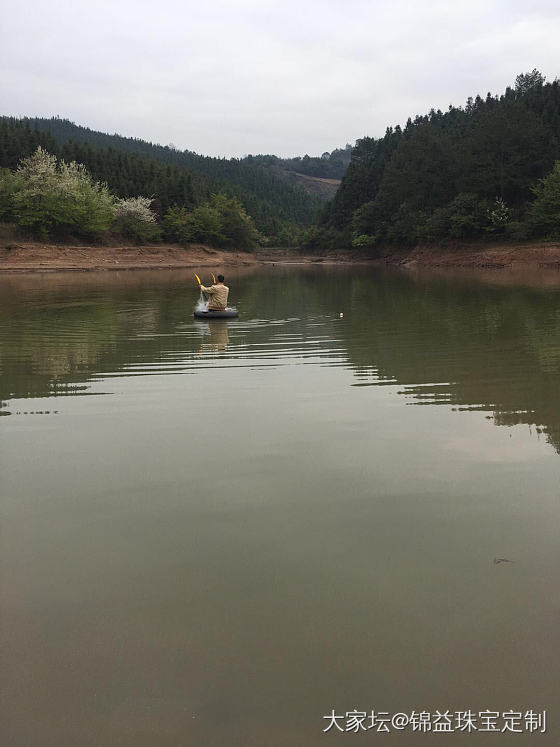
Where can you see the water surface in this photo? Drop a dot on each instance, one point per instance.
(216, 532)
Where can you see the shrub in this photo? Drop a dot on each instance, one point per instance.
(364, 241)
(178, 224)
(9, 184)
(465, 217)
(517, 231)
(135, 220)
(207, 226)
(323, 238)
(237, 227)
(406, 227)
(221, 222)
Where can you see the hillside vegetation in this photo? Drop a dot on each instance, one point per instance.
(483, 171)
(54, 199)
(331, 165)
(172, 179)
(486, 171)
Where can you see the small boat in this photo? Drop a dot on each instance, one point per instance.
(227, 313)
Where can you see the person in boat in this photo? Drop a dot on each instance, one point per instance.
(218, 294)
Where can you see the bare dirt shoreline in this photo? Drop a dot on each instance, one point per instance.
(38, 257)
(24, 256)
(482, 256)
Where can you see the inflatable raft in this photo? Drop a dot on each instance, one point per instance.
(227, 313)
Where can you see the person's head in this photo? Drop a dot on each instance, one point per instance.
(221, 278)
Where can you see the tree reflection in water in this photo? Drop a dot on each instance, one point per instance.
(454, 341)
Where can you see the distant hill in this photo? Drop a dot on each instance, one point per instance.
(131, 166)
(318, 175)
(324, 187)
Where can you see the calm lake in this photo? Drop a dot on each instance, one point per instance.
(215, 533)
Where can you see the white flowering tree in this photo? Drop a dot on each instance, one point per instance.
(135, 219)
(498, 215)
(51, 197)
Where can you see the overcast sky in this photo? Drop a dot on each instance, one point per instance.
(264, 76)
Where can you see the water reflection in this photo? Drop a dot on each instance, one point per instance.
(217, 332)
(460, 342)
(242, 525)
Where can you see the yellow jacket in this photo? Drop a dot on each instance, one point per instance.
(218, 295)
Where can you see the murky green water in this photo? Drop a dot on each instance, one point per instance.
(215, 533)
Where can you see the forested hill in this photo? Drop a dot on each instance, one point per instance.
(319, 175)
(473, 171)
(131, 166)
(331, 165)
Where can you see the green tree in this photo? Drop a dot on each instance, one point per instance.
(9, 184)
(466, 217)
(526, 81)
(34, 201)
(90, 207)
(545, 211)
(178, 224)
(207, 227)
(236, 226)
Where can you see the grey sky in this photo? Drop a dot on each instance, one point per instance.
(264, 76)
